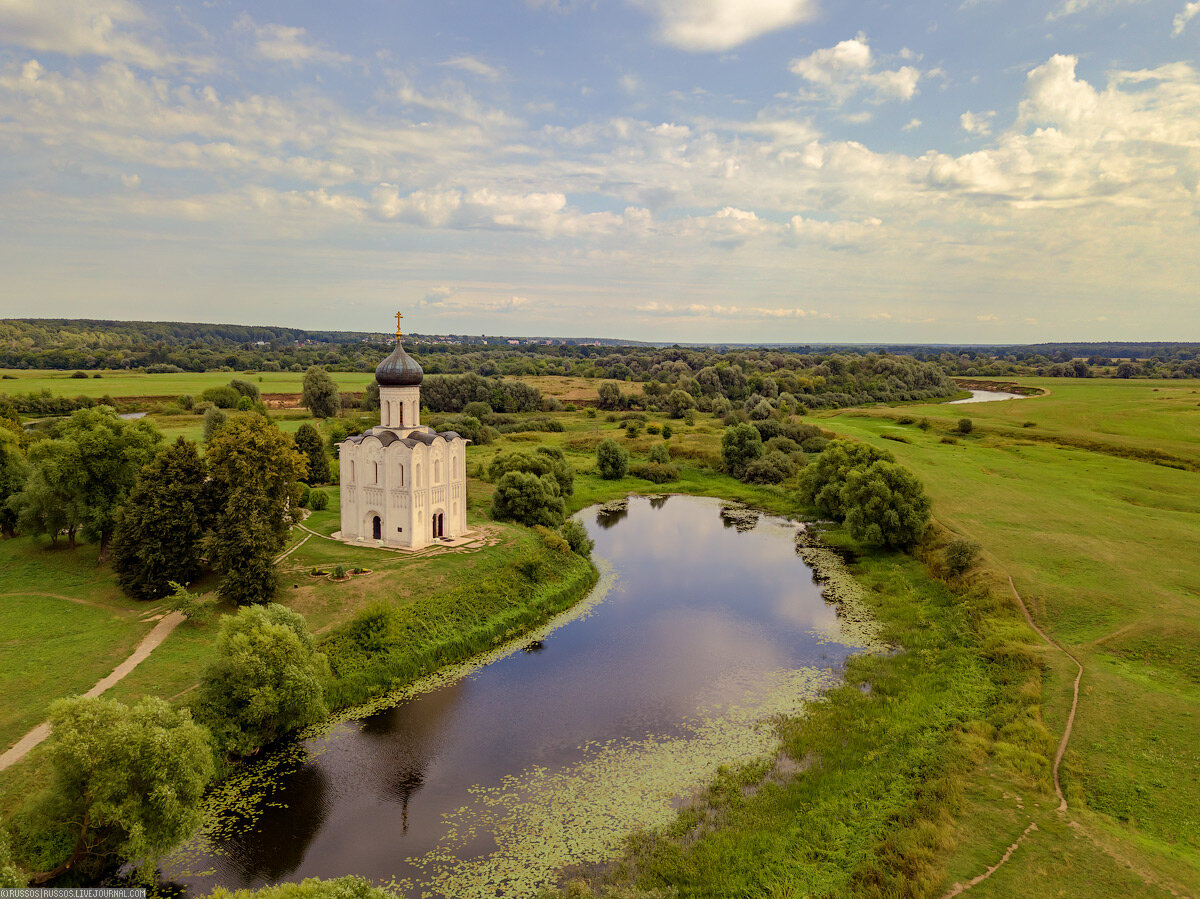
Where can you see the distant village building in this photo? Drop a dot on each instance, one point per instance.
(402, 484)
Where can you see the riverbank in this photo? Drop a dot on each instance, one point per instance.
(861, 798)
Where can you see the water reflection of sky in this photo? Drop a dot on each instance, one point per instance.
(700, 617)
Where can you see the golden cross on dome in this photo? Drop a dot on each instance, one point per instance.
(399, 315)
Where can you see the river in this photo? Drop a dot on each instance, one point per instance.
(548, 752)
(987, 396)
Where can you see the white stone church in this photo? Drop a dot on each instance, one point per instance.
(403, 484)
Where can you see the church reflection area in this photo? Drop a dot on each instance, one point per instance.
(386, 758)
(285, 829)
(404, 742)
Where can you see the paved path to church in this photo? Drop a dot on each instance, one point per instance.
(149, 643)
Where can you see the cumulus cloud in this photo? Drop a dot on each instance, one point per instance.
(286, 43)
(707, 25)
(1184, 16)
(97, 28)
(849, 68)
(979, 123)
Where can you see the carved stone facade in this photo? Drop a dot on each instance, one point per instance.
(402, 484)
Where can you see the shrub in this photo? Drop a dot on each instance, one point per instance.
(611, 459)
(577, 537)
(885, 505)
(186, 401)
(905, 420)
(529, 499)
(655, 472)
(214, 420)
(318, 500)
(544, 461)
(79, 374)
(631, 431)
(949, 440)
(477, 409)
(659, 453)
(964, 426)
(265, 681)
(245, 388)
(223, 397)
(740, 445)
(653, 429)
(770, 469)
(553, 540)
(1029, 424)
(960, 555)
(666, 432)
(924, 424)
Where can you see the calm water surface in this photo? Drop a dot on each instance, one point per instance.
(550, 753)
(987, 396)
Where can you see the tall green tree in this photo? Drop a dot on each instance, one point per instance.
(265, 681)
(14, 471)
(254, 469)
(320, 393)
(312, 447)
(50, 500)
(741, 444)
(109, 454)
(821, 482)
(885, 505)
(159, 538)
(126, 783)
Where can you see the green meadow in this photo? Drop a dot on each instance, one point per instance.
(1103, 541)
(932, 761)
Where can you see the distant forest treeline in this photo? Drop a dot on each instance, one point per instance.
(855, 373)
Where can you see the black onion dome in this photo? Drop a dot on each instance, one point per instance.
(399, 370)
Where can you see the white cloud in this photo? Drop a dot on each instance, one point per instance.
(913, 125)
(978, 123)
(706, 25)
(719, 310)
(74, 28)
(475, 66)
(1184, 16)
(849, 67)
(286, 43)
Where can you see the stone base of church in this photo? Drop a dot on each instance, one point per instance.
(466, 538)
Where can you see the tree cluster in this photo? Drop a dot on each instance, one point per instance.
(881, 502)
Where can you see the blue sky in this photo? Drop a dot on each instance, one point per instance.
(799, 170)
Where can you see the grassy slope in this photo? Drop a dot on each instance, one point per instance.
(1106, 550)
(42, 627)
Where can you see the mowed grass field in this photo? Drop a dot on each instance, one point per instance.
(127, 385)
(1104, 546)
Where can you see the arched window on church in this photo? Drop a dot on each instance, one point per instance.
(351, 471)
(417, 475)
(375, 473)
(437, 471)
(400, 414)
(401, 483)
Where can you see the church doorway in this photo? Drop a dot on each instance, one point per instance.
(438, 525)
(376, 528)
